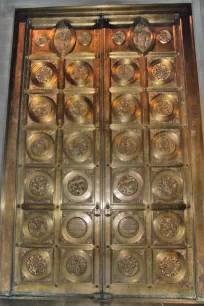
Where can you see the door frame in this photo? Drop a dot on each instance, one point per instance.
(193, 104)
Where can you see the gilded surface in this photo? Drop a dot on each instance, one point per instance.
(104, 173)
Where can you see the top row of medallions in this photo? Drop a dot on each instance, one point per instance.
(141, 37)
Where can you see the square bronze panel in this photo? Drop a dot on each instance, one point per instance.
(40, 147)
(169, 227)
(37, 227)
(170, 266)
(34, 265)
(118, 40)
(86, 40)
(128, 185)
(162, 72)
(127, 146)
(43, 74)
(76, 265)
(126, 108)
(164, 107)
(80, 109)
(166, 147)
(125, 72)
(39, 185)
(167, 185)
(79, 146)
(79, 73)
(128, 227)
(129, 266)
(40, 110)
(165, 41)
(78, 185)
(42, 41)
(77, 227)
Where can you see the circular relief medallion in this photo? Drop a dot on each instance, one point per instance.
(37, 226)
(77, 186)
(164, 36)
(126, 108)
(125, 72)
(163, 107)
(161, 71)
(79, 109)
(170, 266)
(85, 38)
(119, 38)
(77, 227)
(76, 265)
(43, 74)
(165, 145)
(40, 40)
(169, 227)
(128, 185)
(128, 227)
(78, 147)
(39, 185)
(79, 73)
(128, 266)
(127, 146)
(167, 185)
(41, 109)
(40, 146)
(36, 265)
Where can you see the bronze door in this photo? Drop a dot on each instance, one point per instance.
(104, 200)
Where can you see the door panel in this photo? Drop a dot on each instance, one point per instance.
(104, 198)
(148, 228)
(58, 230)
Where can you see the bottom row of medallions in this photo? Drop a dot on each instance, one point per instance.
(169, 266)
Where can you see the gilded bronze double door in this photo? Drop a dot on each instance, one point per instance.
(104, 185)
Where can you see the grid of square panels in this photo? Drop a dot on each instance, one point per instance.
(149, 165)
(56, 225)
